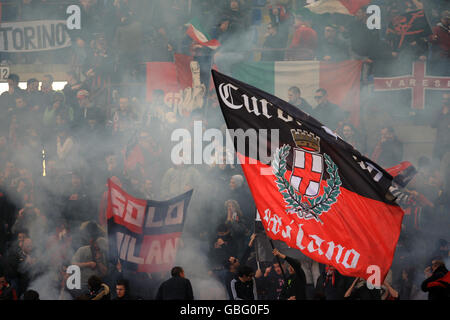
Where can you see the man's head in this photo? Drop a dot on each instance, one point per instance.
(330, 32)
(387, 134)
(234, 5)
(92, 233)
(58, 98)
(330, 269)
(445, 18)
(294, 95)
(224, 25)
(21, 236)
(436, 263)
(13, 80)
(245, 273)
(321, 96)
(177, 272)
(32, 85)
(47, 81)
(3, 282)
(124, 104)
(361, 14)
(83, 98)
(277, 268)
(72, 77)
(27, 247)
(87, 3)
(291, 270)
(347, 131)
(272, 29)
(171, 117)
(20, 103)
(121, 288)
(236, 181)
(232, 264)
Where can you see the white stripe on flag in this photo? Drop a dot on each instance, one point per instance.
(200, 36)
(327, 6)
(303, 74)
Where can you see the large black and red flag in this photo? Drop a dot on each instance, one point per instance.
(144, 235)
(313, 190)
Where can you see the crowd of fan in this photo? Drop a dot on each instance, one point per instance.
(53, 211)
(117, 36)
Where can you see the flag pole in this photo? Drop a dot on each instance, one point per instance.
(271, 243)
(278, 260)
(256, 248)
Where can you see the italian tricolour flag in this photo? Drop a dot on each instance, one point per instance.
(340, 79)
(198, 34)
(349, 7)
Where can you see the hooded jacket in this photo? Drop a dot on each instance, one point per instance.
(438, 285)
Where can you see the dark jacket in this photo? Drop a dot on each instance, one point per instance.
(305, 106)
(326, 289)
(296, 283)
(243, 290)
(274, 284)
(391, 153)
(277, 41)
(126, 297)
(176, 288)
(364, 293)
(330, 114)
(8, 293)
(438, 285)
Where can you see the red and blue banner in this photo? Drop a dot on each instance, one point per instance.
(144, 234)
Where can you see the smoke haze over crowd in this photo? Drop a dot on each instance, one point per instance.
(104, 125)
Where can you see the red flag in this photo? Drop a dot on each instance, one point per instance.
(170, 77)
(161, 76)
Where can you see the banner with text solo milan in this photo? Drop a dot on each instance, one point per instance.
(313, 190)
(144, 234)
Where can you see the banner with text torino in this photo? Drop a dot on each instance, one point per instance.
(30, 36)
(144, 234)
(313, 190)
